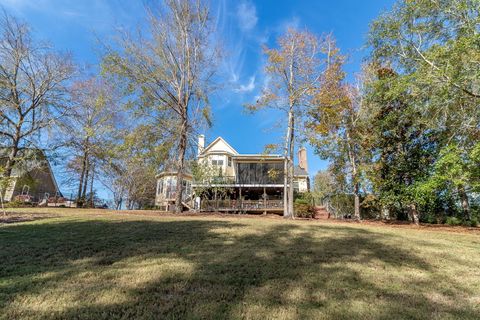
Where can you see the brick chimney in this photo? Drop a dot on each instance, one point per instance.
(302, 158)
(201, 144)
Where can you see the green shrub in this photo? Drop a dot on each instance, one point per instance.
(370, 207)
(428, 218)
(473, 222)
(453, 221)
(303, 208)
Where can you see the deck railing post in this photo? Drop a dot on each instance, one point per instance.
(240, 199)
(264, 200)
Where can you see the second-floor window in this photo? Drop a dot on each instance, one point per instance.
(260, 173)
(229, 161)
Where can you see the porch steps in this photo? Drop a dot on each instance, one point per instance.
(321, 212)
(187, 205)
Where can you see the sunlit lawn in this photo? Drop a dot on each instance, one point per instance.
(105, 265)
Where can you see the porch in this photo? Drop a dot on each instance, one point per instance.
(245, 199)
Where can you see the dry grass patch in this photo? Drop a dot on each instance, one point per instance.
(103, 265)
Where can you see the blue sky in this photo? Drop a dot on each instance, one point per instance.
(243, 27)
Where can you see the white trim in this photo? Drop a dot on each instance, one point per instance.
(238, 185)
(214, 142)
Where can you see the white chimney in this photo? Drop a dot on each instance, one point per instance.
(201, 144)
(302, 159)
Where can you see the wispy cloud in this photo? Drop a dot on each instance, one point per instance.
(247, 16)
(292, 23)
(249, 87)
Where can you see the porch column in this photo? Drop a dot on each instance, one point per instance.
(240, 198)
(264, 200)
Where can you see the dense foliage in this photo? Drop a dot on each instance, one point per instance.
(416, 126)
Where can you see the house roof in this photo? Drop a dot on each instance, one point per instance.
(187, 174)
(297, 171)
(30, 160)
(170, 170)
(216, 141)
(258, 157)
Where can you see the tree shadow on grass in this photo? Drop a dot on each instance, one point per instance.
(216, 269)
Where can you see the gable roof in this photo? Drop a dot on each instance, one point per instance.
(28, 159)
(297, 171)
(229, 148)
(32, 159)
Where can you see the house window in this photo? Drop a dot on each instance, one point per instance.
(171, 187)
(229, 161)
(296, 186)
(217, 163)
(160, 187)
(25, 190)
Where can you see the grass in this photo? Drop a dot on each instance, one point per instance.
(68, 264)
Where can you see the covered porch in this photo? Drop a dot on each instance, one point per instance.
(261, 199)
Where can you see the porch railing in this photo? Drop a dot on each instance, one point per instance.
(241, 205)
(220, 180)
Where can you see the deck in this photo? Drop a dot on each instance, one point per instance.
(242, 205)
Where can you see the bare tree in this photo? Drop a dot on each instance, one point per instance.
(295, 69)
(32, 88)
(89, 128)
(172, 70)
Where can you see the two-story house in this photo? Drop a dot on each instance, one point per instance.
(232, 182)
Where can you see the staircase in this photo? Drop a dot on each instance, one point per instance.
(187, 202)
(321, 212)
(187, 205)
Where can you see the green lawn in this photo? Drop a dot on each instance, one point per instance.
(104, 265)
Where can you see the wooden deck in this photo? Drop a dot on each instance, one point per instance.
(242, 206)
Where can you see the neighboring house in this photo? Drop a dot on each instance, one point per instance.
(32, 178)
(240, 182)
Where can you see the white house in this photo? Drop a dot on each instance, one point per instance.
(235, 182)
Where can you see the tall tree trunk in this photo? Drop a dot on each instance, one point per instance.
(82, 176)
(291, 170)
(412, 208)
(119, 204)
(291, 189)
(12, 157)
(286, 169)
(11, 160)
(356, 185)
(356, 192)
(91, 187)
(85, 183)
(182, 147)
(465, 203)
(285, 186)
